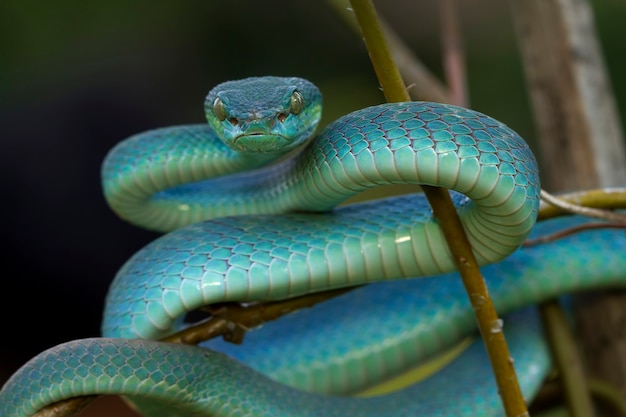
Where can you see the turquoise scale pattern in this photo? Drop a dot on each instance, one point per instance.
(168, 379)
(138, 170)
(272, 257)
(428, 143)
(163, 180)
(547, 270)
(390, 340)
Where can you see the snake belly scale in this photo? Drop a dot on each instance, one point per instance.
(246, 229)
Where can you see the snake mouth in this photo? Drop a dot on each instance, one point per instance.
(260, 142)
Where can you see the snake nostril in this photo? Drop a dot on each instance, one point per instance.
(233, 121)
(281, 117)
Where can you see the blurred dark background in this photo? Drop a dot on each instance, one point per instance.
(77, 77)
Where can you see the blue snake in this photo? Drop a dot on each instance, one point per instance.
(249, 201)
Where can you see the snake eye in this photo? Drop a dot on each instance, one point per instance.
(296, 103)
(219, 109)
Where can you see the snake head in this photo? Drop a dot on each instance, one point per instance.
(264, 114)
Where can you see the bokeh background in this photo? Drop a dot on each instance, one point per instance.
(77, 77)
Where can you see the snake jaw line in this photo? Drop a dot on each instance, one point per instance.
(259, 143)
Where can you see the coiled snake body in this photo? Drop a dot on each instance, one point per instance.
(274, 233)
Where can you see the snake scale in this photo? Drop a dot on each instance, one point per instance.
(250, 220)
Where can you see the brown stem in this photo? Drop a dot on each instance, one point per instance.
(489, 324)
(232, 320)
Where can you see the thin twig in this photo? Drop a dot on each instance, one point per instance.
(601, 198)
(444, 211)
(232, 320)
(66, 408)
(608, 395)
(572, 230)
(583, 211)
(568, 360)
